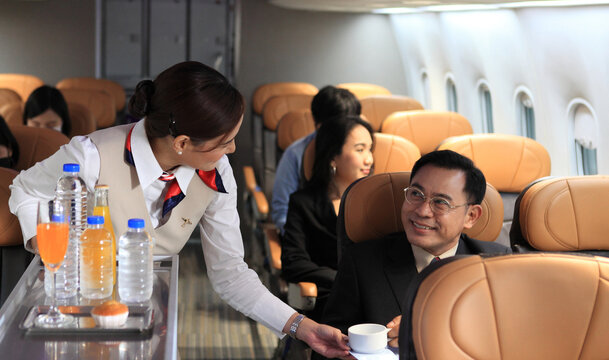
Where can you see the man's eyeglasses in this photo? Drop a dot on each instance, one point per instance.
(438, 205)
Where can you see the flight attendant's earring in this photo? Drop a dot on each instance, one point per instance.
(179, 153)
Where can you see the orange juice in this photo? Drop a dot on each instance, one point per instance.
(105, 212)
(52, 243)
(96, 260)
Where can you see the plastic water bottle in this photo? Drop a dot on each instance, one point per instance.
(96, 260)
(72, 190)
(135, 263)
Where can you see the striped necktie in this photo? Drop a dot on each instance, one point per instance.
(174, 194)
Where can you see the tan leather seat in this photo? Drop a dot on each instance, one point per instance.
(12, 113)
(36, 144)
(563, 214)
(22, 84)
(426, 129)
(264, 92)
(9, 96)
(277, 106)
(88, 83)
(294, 125)
(362, 90)
(81, 119)
(391, 153)
(515, 307)
(377, 108)
(10, 231)
(371, 208)
(100, 104)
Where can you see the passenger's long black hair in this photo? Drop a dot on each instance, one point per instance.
(7, 139)
(45, 98)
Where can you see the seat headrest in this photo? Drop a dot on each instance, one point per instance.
(277, 106)
(530, 306)
(362, 90)
(426, 129)
(509, 162)
(22, 84)
(377, 108)
(564, 214)
(264, 92)
(81, 119)
(8, 96)
(372, 209)
(36, 144)
(10, 231)
(294, 125)
(12, 113)
(100, 104)
(88, 83)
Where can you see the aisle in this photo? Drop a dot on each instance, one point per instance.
(207, 327)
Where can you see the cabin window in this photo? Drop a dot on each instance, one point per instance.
(585, 133)
(526, 115)
(451, 95)
(486, 108)
(426, 92)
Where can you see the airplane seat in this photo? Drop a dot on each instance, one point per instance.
(426, 129)
(12, 113)
(22, 84)
(563, 214)
(81, 119)
(14, 259)
(36, 144)
(371, 209)
(9, 96)
(274, 109)
(509, 163)
(524, 306)
(362, 90)
(88, 83)
(375, 109)
(293, 126)
(100, 104)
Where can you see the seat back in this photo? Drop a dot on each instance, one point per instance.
(36, 144)
(371, 208)
(264, 92)
(294, 125)
(377, 108)
(362, 90)
(100, 104)
(12, 113)
(563, 214)
(22, 84)
(88, 83)
(277, 106)
(81, 119)
(510, 307)
(426, 129)
(9, 96)
(10, 231)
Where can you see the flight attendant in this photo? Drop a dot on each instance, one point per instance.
(171, 169)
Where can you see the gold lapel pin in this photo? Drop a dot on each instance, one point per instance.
(186, 221)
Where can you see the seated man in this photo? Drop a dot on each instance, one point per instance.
(443, 198)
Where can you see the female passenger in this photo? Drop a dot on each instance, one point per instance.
(343, 154)
(191, 115)
(9, 149)
(46, 107)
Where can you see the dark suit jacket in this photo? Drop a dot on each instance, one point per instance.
(373, 278)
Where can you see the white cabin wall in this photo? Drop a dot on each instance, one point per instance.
(559, 54)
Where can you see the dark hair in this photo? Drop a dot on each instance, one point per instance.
(44, 98)
(189, 99)
(331, 102)
(329, 142)
(7, 139)
(475, 183)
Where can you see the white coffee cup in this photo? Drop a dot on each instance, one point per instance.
(368, 338)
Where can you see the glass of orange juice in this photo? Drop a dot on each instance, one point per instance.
(52, 232)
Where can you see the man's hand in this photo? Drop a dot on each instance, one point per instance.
(393, 334)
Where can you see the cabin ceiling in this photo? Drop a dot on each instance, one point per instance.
(376, 5)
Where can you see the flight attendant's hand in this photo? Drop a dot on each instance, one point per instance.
(324, 339)
(393, 334)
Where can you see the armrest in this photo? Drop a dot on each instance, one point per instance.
(274, 246)
(252, 187)
(308, 289)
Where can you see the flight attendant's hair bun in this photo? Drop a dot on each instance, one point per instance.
(140, 102)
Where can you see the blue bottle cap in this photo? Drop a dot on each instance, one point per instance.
(71, 167)
(57, 218)
(95, 220)
(136, 223)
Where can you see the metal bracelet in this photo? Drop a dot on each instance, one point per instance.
(295, 324)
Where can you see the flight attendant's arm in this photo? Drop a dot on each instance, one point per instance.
(38, 182)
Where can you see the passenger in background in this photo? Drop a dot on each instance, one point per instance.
(9, 149)
(343, 154)
(46, 107)
(443, 199)
(329, 102)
